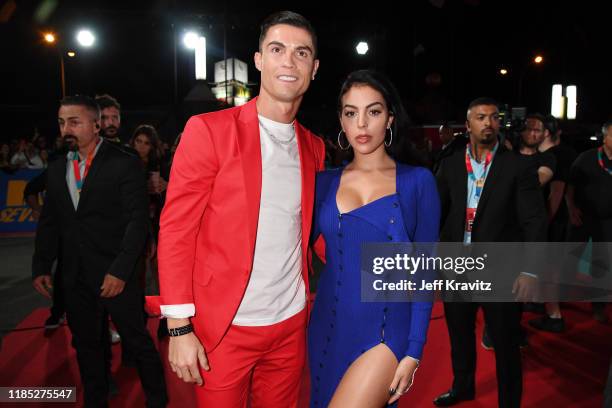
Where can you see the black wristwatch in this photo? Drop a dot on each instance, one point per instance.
(179, 331)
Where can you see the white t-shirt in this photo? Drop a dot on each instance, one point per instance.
(276, 290)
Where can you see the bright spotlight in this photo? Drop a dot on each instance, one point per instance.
(50, 38)
(191, 40)
(362, 48)
(86, 38)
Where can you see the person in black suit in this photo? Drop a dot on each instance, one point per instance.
(451, 142)
(96, 205)
(493, 199)
(32, 190)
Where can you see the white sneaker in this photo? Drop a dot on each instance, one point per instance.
(114, 336)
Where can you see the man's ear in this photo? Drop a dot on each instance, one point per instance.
(315, 68)
(257, 58)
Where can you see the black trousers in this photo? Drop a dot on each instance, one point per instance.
(599, 230)
(58, 308)
(87, 318)
(503, 324)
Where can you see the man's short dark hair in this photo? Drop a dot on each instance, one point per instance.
(552, 125)
(107, 101)
(289, 18)
(605, 127)
(537, 116)
(483, 100)
(82, 100)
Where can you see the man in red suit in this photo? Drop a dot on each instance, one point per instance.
(234, 234)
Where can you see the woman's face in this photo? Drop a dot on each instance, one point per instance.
(142, 145)
(365, 118)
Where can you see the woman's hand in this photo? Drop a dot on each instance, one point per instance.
(402, 381)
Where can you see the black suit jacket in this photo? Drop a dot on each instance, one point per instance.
(107, 233)
(458, 143)
(511, 208)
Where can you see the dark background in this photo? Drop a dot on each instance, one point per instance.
(463, 45)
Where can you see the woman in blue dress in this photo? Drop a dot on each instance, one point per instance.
(364, 354)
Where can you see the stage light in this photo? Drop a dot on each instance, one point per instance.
(190, 39)
(557, 105)
(571, 93)
(50, 38)
(86, 38)
(362, 48)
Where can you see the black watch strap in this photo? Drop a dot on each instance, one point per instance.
(179, 331)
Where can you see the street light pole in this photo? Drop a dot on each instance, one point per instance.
(63, 74)
(175, 65)
(85, 37)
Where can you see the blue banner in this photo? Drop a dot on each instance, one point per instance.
(15, 214)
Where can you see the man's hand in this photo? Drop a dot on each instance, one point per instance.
(184, 354)
(525, 288)
(42, 284)
(111, 286)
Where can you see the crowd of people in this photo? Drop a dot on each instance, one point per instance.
(227, 218)
(25, 153)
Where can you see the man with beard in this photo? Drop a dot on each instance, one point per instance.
(558, 215)
(542, 163)
(110, 120)
(96, 206)
(110, 126)
(487, 196)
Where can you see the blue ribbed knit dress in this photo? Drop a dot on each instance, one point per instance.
(341, 326)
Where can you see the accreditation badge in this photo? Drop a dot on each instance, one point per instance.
(470, 214)
(479, 186)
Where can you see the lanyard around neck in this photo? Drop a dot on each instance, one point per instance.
(468, 162)
(77, 170)
(600, 154)
(478, 182)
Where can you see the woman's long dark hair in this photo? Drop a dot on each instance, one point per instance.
(155, 152)
(379, 82)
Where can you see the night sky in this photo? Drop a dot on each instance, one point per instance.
(465, 42)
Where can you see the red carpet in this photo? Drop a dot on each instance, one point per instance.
(567, 370)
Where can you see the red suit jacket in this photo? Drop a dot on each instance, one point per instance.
(209, 221)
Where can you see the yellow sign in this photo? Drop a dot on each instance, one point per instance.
(14, 193)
